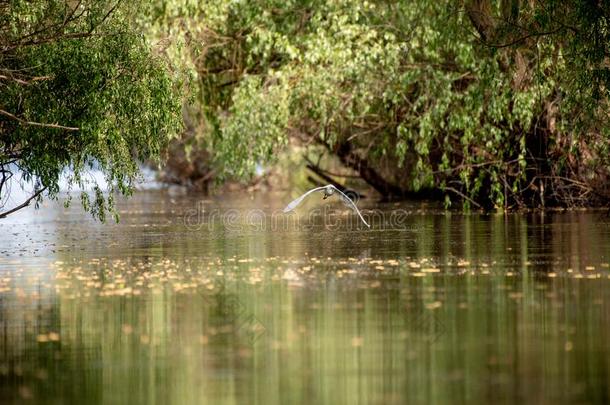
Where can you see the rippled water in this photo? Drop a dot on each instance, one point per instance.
(187, 301)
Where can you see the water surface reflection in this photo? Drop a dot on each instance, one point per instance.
(448, 308)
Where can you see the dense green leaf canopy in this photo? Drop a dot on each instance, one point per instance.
(497, 104)
(407, 93)
(80, 88)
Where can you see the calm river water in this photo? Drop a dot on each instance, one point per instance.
(226, 301)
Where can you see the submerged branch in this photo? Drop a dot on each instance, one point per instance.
(464, 196)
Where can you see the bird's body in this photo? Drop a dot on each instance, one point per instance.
(328, 191)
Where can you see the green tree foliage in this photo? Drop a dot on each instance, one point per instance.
(572, 137)
(80, 88)
(407, 93)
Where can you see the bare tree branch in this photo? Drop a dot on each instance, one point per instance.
(37, 124)
(464, 196)
(523, 38)
(22, 81)
(22, 205)
(45, 28)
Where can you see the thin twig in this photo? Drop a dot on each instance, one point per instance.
(25, 82)
(464, 196)
(23, 205)
(476, 165)
(37, 124)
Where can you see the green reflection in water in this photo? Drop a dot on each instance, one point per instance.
(449, 308)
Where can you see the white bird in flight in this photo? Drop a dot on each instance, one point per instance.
(328, 191)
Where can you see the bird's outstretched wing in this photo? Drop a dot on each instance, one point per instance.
(296, 202)
(348, 201)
